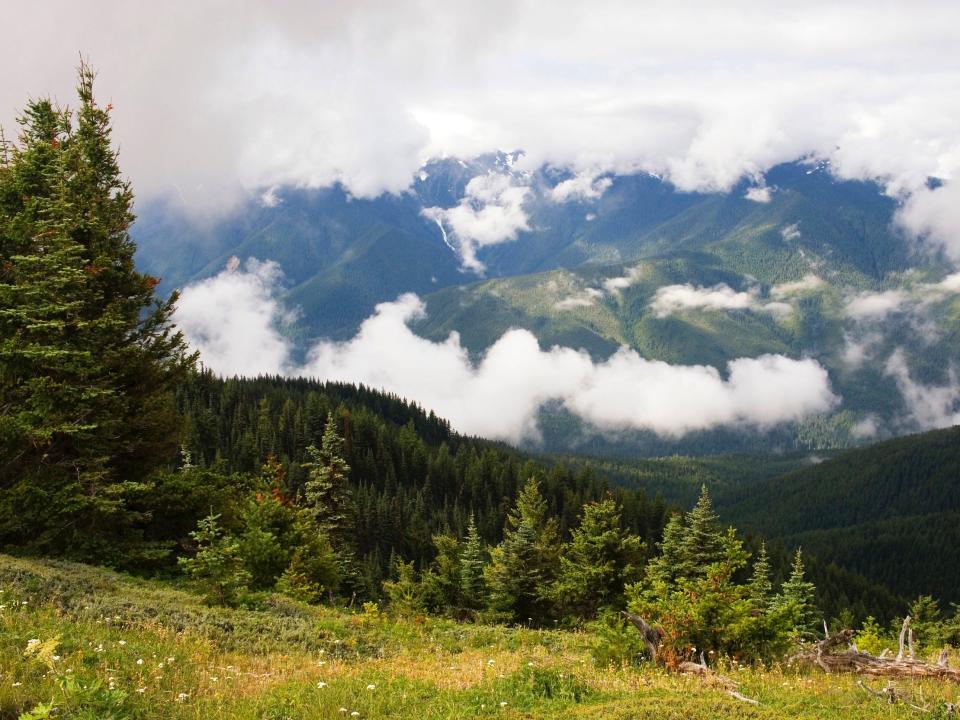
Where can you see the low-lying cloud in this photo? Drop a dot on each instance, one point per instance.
(231, 319)
(676, 298)
(490, 212)
(928, 406)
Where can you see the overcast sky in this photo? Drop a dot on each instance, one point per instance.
(212, 97)
(214, 100)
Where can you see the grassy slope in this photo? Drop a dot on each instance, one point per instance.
(205, 663)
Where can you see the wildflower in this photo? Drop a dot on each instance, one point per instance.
(141, 690)
(139, 661)
(55, 658)
(503, 703)
(17, 684)
(32, 642)
(121, 643)
(214, 678)
(344, 710)
(321, 684)
(354, 714)
(99, 648)
(3, 607)
(490, 661)
(371, 686)
(530, 664)
(182, 696)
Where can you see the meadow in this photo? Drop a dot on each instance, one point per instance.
(83, 642)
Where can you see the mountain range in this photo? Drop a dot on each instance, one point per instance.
(796, 262)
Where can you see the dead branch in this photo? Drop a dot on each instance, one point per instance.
(828, 656)
(650, 635)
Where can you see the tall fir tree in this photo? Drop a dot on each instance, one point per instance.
(798, 595)
(598, 562)
(327, 487)
(703, 541)
(473, 560)
(760, 586)
(523, 567)
(88, 356)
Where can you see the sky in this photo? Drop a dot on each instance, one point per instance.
(215, 101)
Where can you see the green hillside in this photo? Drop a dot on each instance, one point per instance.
(889, 511)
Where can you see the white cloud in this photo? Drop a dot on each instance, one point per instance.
(856, 351)
(213, 98)
(950, 285)
(760, 194)
(490, 212)
(622, 282)
(876, 306)
(671, 298)
(233, 320)
(584, 186)
(928, 406)
(629, 392)
(790, 232)
(935, 213)
(583, 299)
(798, 287)
(866, 428)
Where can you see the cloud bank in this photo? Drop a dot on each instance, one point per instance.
(231, 319)
(218, 98)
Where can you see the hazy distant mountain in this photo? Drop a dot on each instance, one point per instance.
(799, 264)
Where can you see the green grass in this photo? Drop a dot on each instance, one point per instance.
(137, 649)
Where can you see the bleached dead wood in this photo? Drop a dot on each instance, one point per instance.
(828, 656)
(650, 635)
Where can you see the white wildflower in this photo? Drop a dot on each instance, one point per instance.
(371, 686)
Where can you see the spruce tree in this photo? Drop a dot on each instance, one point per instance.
(600, 559)
(798, 596)
(217, 566)
(88, 357)
(760, 586)
(327, 490)
(703, 540)
(473, 560)
(523, 566)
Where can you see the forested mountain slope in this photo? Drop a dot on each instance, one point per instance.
(890, 511)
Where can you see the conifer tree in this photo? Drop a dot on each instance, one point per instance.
(217, 565)
(703, 540)
(600, 559)
(798, 595)
(473, 560)
(760, 587)
(523, 566)
(327, 489)
(88, 357)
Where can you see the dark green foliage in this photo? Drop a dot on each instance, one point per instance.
(473, 559)
(88, 359)
(217, 567)
(524, 565)
(890, 512)
(598, 562)
(694, 595)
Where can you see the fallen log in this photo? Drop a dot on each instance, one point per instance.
(828, 656)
